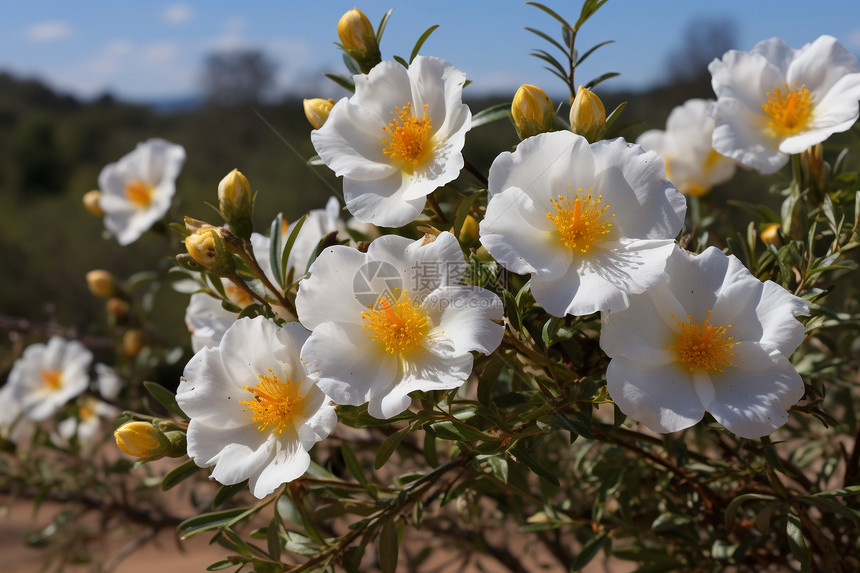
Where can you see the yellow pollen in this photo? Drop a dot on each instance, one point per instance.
(582, 222)
(139, 193)
(704, 345)
(399, 328)
(86, 412)
(789, 110)
(53, 379)
(407, 139)
(275, 403)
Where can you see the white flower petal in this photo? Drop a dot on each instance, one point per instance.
(468, 317)
(289, 462)
(660, 397)
(383, 201)
(329, 293)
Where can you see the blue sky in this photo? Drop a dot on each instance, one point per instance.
(144, 50)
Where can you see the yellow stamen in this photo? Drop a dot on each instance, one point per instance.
(139, 193)
(399, 328)
(582, 222)
(275, 403)
(53, 379)
(704, 345)
(789, 110)
(408, 139)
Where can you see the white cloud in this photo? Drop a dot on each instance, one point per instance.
(160, 53)
(177, 14)
(48, 31)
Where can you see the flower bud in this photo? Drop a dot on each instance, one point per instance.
(101, 283)
(117, 307)
(770, 234)
(587, 115)
(469, 231)
(317, 110)
(815, 170)
(206, 246)
(236, 203)
(358, 39)
(532, 111)
(91, 203)
(132, 342)
(148, 441)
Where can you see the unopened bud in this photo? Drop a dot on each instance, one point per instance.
(469, 231)
(532, 111)
(816, 171)
(101, 283)
(770, 234)
(317, 110)
(358, 39)
(132, 342)
(587, 115)
(236, 203)
(91, 203)
(146, 441)
(206, 247)
(117, 307)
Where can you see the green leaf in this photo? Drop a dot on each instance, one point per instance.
(381, 28)
(735, 505)
(548, 38)
(589, 551)
(209, 521)
(430, 455)
(288, 248)
(421, 41)
(179, 474)
(315, 161)
(227, 492)
(795, 539)
(542, 55)
(389, 446)
(219, 565)
(591, 51)
(524, 456)
(401, 61)
(388, 547)
(164, 397)
(273, 538)
(589, 7)
(550, 329)
(601, 79)
(491, 114)
(352, 463)
(499, 467)
(551, 13)
(276, 243)
(341, 81)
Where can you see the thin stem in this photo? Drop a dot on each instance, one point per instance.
(431, 198)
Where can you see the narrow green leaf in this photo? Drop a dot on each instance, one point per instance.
(209, 521)
(591, 51)
(430, 455)
(540, 54)
(382, 24)
(491, 114)
(589, 7)
(401, 61)
(551, 13)
(388, 547)
(288, 248)
(315, 161)
(276, 243)
(601, 79)
(589, 551)
(735, 506)
(352, 463)
(549, 39)
(178, 474)
(795, 539)
(227, 492)
(500, 468)
(219, 565)
(524, 456)
(341, 81)
(421, 41)
(389, 446)
(273, 539)
(351, 64)
(164, 397)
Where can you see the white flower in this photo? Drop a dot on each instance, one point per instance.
(108, 382)
(397, 139)
(87, 420)
(136, 191)
(692, 165)
(592, 224)
(254, 412)
(713, 338)
(208, 320)
(49, 375)
(774, 101)
(393, 320)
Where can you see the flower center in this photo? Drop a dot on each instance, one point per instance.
(139, 193)
(704, 345)
(789, 110)
(275, 403)
(582, 222)
(53, 379)
(408, 138)
(400, 327)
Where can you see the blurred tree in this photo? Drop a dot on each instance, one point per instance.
(703, 40)
(237, 77)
